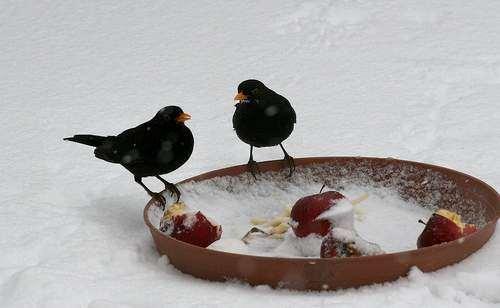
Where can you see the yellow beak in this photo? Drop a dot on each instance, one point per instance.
(240, 96)
(183, 117)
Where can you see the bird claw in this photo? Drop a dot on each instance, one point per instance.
(159, 199)
(177, 195)
(173, 191)
(291, 164)
(252, 167)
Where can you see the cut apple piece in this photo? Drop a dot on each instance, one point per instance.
(444, 226)
(306, 211)
(189, 227)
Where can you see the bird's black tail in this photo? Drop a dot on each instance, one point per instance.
(91, 140)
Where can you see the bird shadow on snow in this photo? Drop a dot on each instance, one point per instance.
(117, 214)
(118, 219)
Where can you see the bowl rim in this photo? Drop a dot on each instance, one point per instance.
(319, 160)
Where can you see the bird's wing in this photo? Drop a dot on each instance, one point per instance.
(132, 146)
(135, 132)
(289, 111)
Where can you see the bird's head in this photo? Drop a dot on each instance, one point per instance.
(249, 89)
(172, 114)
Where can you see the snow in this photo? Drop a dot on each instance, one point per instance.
(239, 200)
(385, 212)
(190, 220)
(416, 80)
(308, 246)
(341, 215)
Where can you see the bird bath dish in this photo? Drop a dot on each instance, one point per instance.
(392, 195)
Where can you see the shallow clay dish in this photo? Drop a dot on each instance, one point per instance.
(470, 197)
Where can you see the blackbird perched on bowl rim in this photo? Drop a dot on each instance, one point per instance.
(158, 146)
(263, 118)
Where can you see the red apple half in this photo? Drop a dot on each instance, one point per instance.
(190, 227)
(444, 226)
(308, 213)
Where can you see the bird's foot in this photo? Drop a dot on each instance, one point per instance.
(291, 164)
(253, 168)
(173, 191)
(159, 199)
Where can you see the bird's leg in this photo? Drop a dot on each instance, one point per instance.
(289, 160)
(170, 187)
(252, 164)
(156, 196)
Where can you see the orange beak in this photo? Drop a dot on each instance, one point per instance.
(240, 96)
(183, 117)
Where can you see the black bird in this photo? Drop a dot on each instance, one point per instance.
(263, 118)
(155, 147)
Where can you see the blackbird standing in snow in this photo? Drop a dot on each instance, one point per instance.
(263, 118)
(155, 147)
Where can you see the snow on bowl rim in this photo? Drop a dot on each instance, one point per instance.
(335, 273)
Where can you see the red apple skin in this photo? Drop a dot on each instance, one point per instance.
(306, 209)
(320, 227)
(438, 229)
(469, 229)
(202, 233)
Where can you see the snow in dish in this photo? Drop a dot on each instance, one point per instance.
(341, 215)
(382, 217)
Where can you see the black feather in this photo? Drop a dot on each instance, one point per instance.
(91, 140)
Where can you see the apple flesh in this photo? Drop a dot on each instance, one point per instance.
(306, 210)
(444, 226)
(190, 227)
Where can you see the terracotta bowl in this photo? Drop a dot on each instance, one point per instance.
(417, 181)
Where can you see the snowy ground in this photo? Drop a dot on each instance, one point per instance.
(418, 81)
